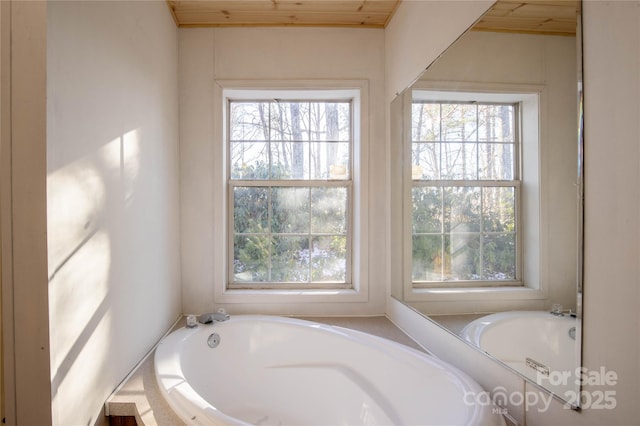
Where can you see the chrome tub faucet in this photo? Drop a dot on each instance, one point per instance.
(208, 318)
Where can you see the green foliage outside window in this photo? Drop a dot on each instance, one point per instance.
(288, 225)
(463, 222)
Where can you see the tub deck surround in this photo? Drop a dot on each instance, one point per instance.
(378, 326)
(140, 396)
(271, 370)
(455, 323)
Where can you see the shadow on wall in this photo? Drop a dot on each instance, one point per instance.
(86, 199)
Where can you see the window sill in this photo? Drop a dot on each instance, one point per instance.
(458, 294)
(291, 296)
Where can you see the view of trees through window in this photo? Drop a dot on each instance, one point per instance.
(290, 181)
(464, 192)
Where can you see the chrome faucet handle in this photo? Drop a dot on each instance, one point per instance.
(556, 309)
(213, 317)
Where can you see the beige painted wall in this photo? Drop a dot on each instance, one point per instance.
(282, 54)
(112, 188)
(419, 32)
(612, 233)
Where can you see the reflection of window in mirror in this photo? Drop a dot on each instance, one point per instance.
(466, 153)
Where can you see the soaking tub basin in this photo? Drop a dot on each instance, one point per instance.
(268, 370)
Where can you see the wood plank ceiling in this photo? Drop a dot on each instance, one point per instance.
(320, 13)
(556, 17)
(549, 17)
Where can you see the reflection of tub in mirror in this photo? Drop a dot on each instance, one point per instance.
(537, 344)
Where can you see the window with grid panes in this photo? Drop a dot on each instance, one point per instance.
(290, 193)
(465, 193)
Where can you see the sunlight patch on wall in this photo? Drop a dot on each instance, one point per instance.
(75, 203)
(123, 155)
(85, 201)
(77, 293)
(90, 358)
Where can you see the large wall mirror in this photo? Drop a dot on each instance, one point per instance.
(487, 228)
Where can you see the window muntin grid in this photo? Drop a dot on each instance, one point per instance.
(290, 162)
(465, 193)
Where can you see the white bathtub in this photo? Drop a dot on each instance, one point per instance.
(281, 371)
(537, 344)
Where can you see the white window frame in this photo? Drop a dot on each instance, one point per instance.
(357, 91)
(532, 286)
(429, 96)
(347, 184)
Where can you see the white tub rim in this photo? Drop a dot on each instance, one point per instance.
(188, 393)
